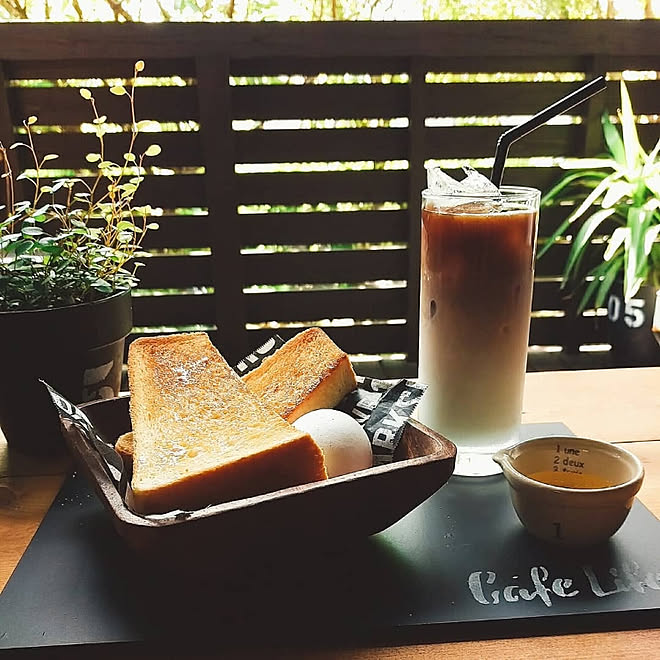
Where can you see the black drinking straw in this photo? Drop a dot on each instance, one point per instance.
(509, 137)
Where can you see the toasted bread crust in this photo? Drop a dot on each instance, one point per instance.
(307, 373)
(124, 447)
(200, 436)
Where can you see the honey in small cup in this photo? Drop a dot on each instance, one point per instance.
(568, 490)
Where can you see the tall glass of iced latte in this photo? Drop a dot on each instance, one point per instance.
(477, 272)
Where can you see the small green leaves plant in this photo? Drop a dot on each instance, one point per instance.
(72, 241)
(629, 197)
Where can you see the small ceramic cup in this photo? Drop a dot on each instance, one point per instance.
(568, 490)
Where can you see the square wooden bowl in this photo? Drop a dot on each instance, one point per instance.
(331, 512)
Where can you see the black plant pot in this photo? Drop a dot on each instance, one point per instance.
(633, 343)
(78, 350)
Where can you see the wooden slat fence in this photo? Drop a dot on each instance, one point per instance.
(262, 227)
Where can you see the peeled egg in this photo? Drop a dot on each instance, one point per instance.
(345, 445)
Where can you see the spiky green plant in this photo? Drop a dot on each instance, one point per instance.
(625, 189)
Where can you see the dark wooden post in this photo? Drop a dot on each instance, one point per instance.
(6, 136)
(214, 93)
(416, 183)
(592, 145)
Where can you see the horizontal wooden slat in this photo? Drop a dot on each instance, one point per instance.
(549, 296)
(179, 149)
(496, 98)
(369, 339)
(315, 305)
(176, 272)
(392, 144)
(553, 261)
(444, 100)
(325, 267)
(314, 187)
(264, 146)
(180, 231)
(308, 228)
(65, 106)
(185, 191)
(319, 101)
(391, 39)
(480, 141)
(644, 96)
(173, 310)
(102, 67)
(334, 228)
(563, 331)
(270, 66)
(521, 98)
(312, 66)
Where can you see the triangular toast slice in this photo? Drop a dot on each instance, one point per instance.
(201, 437)
(307, 373)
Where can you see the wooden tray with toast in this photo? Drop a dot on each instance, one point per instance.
(221, 461)
(332, 512)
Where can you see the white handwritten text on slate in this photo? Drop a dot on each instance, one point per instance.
(487, 589)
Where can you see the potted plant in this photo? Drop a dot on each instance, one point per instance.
(623, 191)
(67, 267)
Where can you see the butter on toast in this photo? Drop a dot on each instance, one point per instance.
(307, 373)
(201, 437)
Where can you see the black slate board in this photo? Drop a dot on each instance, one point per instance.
(78, 585)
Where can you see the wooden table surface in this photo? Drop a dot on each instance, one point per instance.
(619, 405)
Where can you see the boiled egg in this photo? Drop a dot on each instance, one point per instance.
(345, 445)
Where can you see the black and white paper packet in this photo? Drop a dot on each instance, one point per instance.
(381, 407)
(72, 416)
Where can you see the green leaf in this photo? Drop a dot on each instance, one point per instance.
(650, 238)
(20, 247)
(579, 211)
(632, 147)
(146, 124)
(613, 139)
(102, 286)
(574, 178)
(619, 236)
(118, 90)
(593, 196)
(636, 263)
(124, 225)
(153, 226)
(86, 94)
(32, 231)
(152, 150)
(139, 66)
(615, 192)
(649, 162)
(596, 273)
(582, 240)
(48, 157)
(610, 275)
